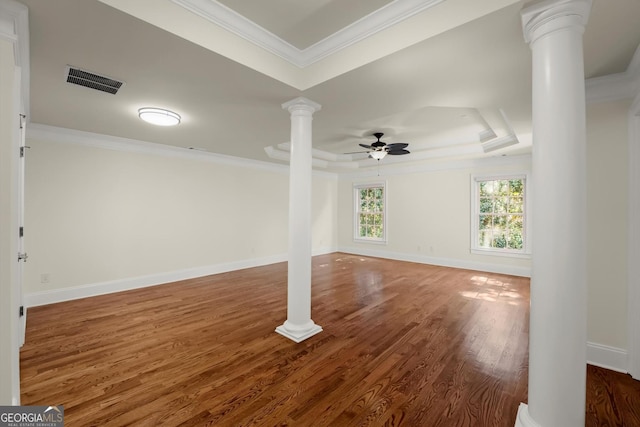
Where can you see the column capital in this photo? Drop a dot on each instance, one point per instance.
(301, 103)
(543, 17)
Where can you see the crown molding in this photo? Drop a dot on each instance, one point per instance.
(14, 28)
(500, 133)
(522, 161)
(232, 21)
(377, 21)
(71, 136)
(617, 86)
(349, 170)
(498, 143)
(328, 160)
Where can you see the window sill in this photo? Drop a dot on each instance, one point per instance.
(493, 252)
(373, 241)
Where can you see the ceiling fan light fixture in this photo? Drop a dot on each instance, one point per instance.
(159, 116)
(378, 155)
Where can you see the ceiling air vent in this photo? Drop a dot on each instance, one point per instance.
(92, 81)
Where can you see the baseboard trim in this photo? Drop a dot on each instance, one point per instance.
(607, 357)
(523, 419)
(35, 299)
(444, 262)
(67, 294)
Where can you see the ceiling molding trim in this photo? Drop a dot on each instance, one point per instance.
(237, 24)
(498, 143)
(320, 154)
(14, 28)
(379, 20)
(71, 136)
(343, 163)
(500, 127)
(617, 86)
(275, 153)
(522, 161)
(609, 88)
(319, 158)
(634, 65)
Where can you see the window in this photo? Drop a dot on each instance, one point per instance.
(499, 208)
(370, 212)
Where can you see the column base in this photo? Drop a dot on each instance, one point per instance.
(298, 333)
(523, 419)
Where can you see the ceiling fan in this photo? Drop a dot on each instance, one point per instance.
(378, 150)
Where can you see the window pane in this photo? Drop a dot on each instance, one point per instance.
(363, 231)
(515, 223)
(484, 238)
(499, 240)
(516, 187)
(485, 222)
(502, 188)
(515, 241)
(486, 205)
(377, 219)
(516, 205)
(500, 205)
(500, 222)
(486, 188)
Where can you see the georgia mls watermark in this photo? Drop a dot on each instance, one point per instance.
(31, 416)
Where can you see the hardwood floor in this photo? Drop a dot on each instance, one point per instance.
(613, 399)
(403, 344)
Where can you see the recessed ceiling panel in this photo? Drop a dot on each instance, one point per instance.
(303, 23)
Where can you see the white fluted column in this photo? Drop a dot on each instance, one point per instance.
(557, 337)
(299, 326)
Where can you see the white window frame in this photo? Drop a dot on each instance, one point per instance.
(525, 252)
(356, 213)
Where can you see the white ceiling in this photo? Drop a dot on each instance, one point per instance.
(304, 23)
(439, 78)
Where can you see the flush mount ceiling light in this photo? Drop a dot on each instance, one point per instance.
(159, 116)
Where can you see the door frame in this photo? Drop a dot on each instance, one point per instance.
(633, 249)
(14, 29)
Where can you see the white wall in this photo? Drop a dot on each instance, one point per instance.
(99, 217)
(429, 216)
(607, 186)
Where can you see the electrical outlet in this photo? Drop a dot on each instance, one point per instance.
(45, 278)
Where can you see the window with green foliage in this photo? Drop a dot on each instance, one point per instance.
(499, 214)
(370, 209)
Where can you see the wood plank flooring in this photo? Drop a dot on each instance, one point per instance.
(403, 344)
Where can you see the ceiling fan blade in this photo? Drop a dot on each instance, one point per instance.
(356, 152)
(397, 146)
(398, 152)
(365, 146)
